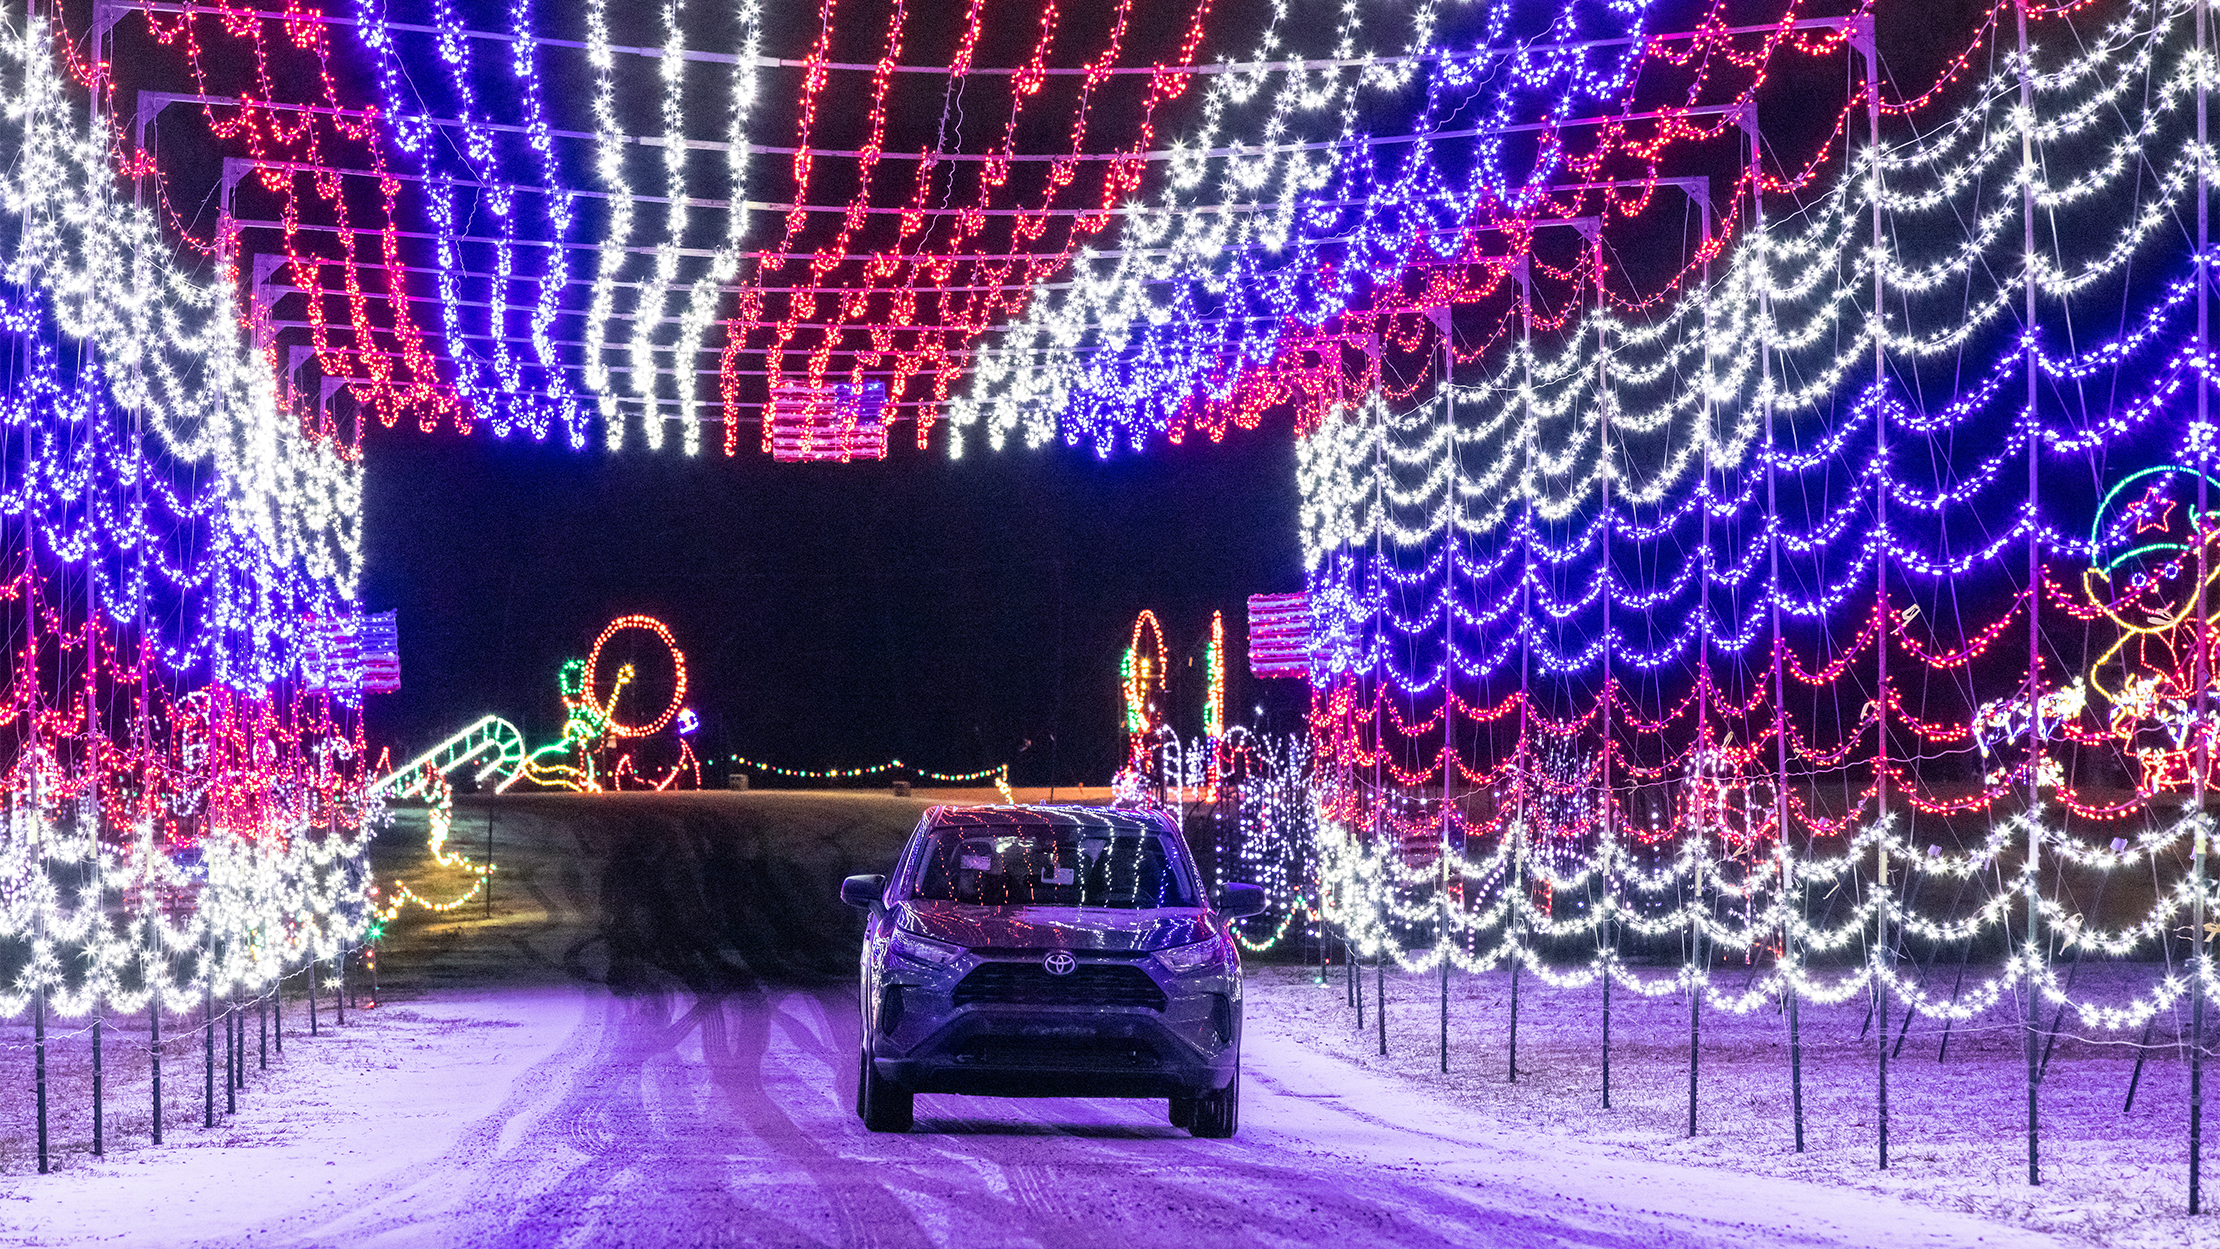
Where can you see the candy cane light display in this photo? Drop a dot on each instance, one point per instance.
(590, 754)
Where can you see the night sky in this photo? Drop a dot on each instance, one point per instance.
(946, 612)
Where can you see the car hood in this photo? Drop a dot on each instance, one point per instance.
(1054, 927)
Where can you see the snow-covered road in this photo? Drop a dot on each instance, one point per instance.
(565, 1116)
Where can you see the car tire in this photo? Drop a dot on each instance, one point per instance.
(1183, 1112)
(1218, 1112)
(882, 1107)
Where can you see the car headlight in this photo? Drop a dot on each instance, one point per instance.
(922, 951)
(1197, 956)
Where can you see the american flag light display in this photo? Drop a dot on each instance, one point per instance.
(839, 423)
(1279, 635)
(349, 653)
(381, 653)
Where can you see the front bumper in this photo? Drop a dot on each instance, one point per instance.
(1190, 1047)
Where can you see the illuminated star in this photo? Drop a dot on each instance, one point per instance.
(2152, 511)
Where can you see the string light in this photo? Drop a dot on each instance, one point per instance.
(1593, 516)
(289, 147)
(180, 540)
(439, 819)
(877, 769)
(1141, 675)
(998, 775)
(1758, 383)
(591, 727)
(1201, 298)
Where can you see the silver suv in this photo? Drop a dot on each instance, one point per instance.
(1050, 952)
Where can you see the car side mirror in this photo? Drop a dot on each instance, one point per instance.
(1237, 901)
(863, 891)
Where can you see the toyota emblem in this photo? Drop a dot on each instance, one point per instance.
(1060, 963)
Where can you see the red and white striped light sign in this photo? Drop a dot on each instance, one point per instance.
(1279, 635)
(839, 423)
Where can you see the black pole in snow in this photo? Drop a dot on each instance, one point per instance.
(2142, 1048)
(1958, 984)
(99, 1144)
(1517, 965)
(154, 1054)
(38, 1046)
(1695, 1040)
(1356, 989)
(1606, 965)
(208, 1027)
(1379, 996)
(1795, 1030)
(1348, 974)
(1796, 1058)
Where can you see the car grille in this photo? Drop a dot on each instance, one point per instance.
(1029, 984)
(1059, 1053)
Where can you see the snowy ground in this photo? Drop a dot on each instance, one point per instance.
(390, 1095)
(1958, 1126)
(501, 1096)
(565, 1116)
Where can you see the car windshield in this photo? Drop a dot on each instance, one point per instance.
(1049, 865)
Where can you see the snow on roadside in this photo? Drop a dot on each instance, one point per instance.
(372, 1130)
(338, 1118)
(1958, 1127)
